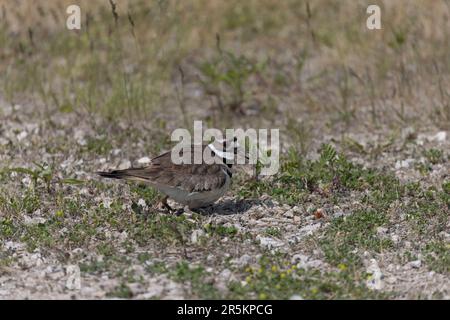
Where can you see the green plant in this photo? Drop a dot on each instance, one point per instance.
(224, 77)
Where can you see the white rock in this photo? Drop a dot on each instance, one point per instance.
(10, 245)
(313, 264)
(375, 281)
(243, 260)
(73, 281)
(225, 274)
(123, 236)
(107, 203)
(4, 293)
(79, 137)
(3, 141)
(141, 203)
(84, 191)
(395, 238)
(299, 258)
(338, 213)
(144, 160)
(289, 213)
(404, 164)
(33, 220)
(407, 133)
(391, 280)
(269, 243)
(77, 251)
(381, 231)
(26, 181)
(196, 235)
(22, 135)
(296, 297)
(223, 278)
(125, 164)
(414, 264)
(441, 136)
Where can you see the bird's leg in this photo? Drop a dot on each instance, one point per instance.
(179, 212)
(202, 210)
(165, 204)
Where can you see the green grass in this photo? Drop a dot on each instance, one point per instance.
(276, 278)
(437, 256)
(225, 77)
(330, 175)
(197, 278)
(434, 156)
(220, 230)
(345, 238)
(121, 291)
(273, 231)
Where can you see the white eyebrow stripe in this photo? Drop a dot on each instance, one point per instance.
(226, 155)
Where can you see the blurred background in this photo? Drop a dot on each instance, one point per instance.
(302, 65)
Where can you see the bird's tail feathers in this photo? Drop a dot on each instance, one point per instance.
(127, 174)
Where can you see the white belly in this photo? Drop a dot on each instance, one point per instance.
(195, 199)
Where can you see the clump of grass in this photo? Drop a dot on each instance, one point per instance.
(273, 231)
(122, 291)
(427, 211)
(197, 278)
(43, 172)
(276, 278)
(437, 256)
(298, 177)
(434, 155)
(225, 76)
(345, 236)
(98, 145)
(220, 230)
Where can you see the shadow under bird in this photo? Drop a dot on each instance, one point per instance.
(194, 185)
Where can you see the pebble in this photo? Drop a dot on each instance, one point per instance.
(141, 203)
(144, 160)
(414, 264)
(395, 238)
(381, 231)
(289, 213)
(33, 221)
(243, 261)
(125, 164)
(196, 235)
(269, 243)
(404, 164)
(441, 136)
(22, 135)
(107, 203)
(374, 282)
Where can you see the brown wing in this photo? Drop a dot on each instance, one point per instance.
(189, 177)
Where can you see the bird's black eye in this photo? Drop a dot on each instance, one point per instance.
(235, 139)
(213, 153)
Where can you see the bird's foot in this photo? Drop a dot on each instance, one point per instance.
(179, 212)
(165, 206)
(202, 210)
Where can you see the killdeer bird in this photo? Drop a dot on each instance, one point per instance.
(194, 185)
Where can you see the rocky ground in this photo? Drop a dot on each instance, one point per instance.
(358, 210)
(67, 234)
